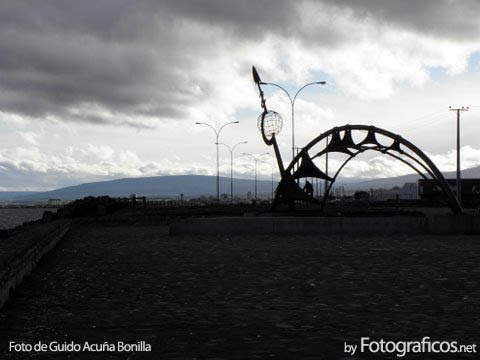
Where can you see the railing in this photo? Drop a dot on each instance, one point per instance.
(142, 201)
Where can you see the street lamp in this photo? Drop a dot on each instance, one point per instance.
(256, 158)
(217, 135)
(292, 102)
(231, 164)
(273, 169)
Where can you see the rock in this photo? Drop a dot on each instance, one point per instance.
(90, 206)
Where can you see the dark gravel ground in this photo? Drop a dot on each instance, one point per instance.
(245, 297)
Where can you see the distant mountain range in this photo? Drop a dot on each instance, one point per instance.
(157, 186)
(197, 185)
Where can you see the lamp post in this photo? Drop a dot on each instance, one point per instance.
(231, 164)
(292, 102)
(217, 135)
(273, 169)
(256, 158)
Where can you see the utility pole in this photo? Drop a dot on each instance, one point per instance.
(326, 170)
(459, 186)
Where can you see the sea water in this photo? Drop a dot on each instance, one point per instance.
(11, 217)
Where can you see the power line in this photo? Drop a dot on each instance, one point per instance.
(420, 121)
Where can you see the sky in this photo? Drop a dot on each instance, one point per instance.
(105, 89)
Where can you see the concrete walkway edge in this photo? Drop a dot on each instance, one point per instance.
(12, 273)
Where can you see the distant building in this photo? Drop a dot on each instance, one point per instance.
(407, 192)
(361, 195)
(54, 202)
(385, 194)
(430, 189)
(338, 191)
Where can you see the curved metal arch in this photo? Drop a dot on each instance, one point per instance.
(408, 164)
(370, 139)
(385, 150)
(427, 164)
(327, 193)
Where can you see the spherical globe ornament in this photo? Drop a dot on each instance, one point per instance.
(272, 123)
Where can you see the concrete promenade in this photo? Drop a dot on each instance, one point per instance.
(245, 296)
(330, 225)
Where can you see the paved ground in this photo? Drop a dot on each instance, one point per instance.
(246, 297)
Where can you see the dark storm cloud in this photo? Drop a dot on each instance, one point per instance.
(61, 56)
(457, 20)
(252, 19)
(446, 18)
(127, 58)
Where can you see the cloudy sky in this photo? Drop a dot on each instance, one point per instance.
(105, 89)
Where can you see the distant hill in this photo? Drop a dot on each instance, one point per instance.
(197, 185)
(157, 186)
(388, 183)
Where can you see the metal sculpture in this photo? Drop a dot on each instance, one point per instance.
(341, 141)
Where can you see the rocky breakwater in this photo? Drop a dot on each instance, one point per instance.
(87, 207)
